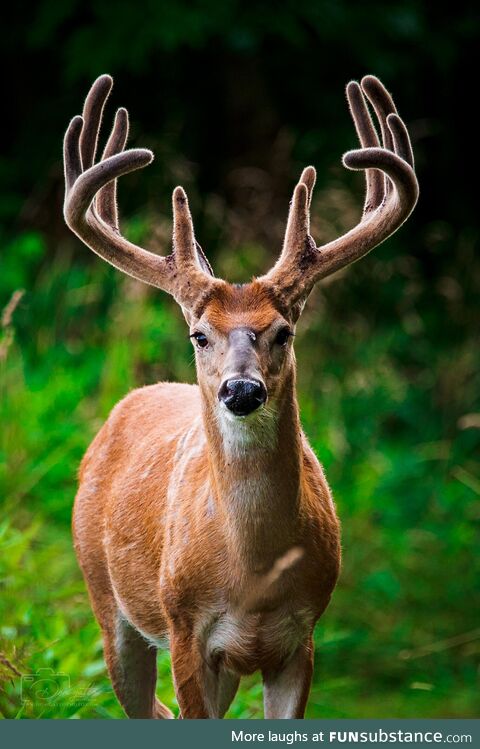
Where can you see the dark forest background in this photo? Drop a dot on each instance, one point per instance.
(234, 99)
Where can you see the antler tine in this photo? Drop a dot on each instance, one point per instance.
(401, 139)
(72, 160)
(368, 138)
(382, 103)
(90, 204)
(308, 178)
(106, 200)
(297, 234)
(298, 225)
(189, 256)
(92, 117)
(391, 195)
(383, 106)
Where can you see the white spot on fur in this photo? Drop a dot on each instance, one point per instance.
(264, 582)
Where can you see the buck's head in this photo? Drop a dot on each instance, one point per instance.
(242, 334)
(243, 346)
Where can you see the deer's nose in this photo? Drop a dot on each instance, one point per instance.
(241, 397)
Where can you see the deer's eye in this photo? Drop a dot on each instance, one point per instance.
(201, 339)
(282, 336)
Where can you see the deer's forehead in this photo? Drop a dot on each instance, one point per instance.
(241, 307)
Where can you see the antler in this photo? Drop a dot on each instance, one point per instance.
(391, 195)
(90, 207)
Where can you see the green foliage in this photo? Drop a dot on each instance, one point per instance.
(401, 636)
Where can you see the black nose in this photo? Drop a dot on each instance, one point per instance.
(241, 397)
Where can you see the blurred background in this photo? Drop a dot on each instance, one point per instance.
(235, 98)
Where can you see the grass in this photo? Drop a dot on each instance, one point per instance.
(389, 406)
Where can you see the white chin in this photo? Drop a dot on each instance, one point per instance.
(240, 433)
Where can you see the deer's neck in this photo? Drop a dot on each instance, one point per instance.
(255, 467)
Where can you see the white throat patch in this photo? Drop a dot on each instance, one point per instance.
(256, 431)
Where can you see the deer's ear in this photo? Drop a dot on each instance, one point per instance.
(202, 260)
(187, 315)
(206, 268)
(297, 309)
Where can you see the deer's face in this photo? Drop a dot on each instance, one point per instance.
(243, 348)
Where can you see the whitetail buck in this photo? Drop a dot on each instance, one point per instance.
(203, 518)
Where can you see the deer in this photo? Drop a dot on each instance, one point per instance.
(203, 521)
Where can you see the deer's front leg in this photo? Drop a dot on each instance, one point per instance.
(202, 691)
(188, 675)
(286, 689)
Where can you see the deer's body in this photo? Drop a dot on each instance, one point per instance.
(178, 548)
(180, 518)
(203, 518)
